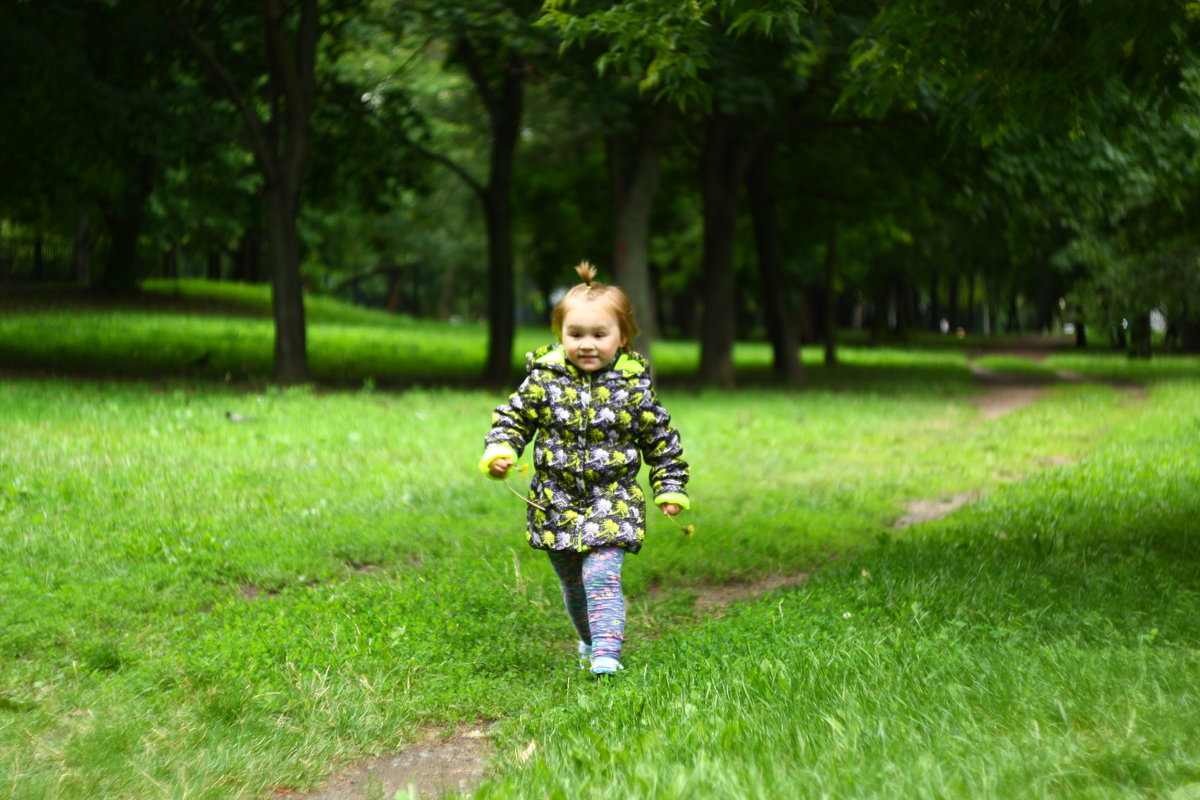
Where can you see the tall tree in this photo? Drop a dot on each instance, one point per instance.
(777, 309)
(265, 64)
(695, 55)
(635, 147)
(497, 47)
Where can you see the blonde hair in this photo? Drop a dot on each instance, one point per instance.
(610, 298)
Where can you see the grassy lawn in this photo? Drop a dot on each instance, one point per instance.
(201, 608)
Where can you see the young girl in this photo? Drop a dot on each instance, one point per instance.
(590, 400)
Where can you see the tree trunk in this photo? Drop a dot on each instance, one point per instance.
(723, 165)
(634, 177)
(248, 259)
(1139, 336)
(121, 268)
(213, 271)
(504, 104)
(81, 255)
(287, 292)
(123, 215)
(780, 319)
(170, 261)
(952, 302)
(501, 293)
(935, 304)
(445, 305)
(1189, 336)
(39, 260)
(831, 299)
(969, 323)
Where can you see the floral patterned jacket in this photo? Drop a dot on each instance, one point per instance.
(592, 430)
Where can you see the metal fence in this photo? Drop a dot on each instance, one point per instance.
(36, 259)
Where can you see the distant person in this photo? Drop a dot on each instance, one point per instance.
(590, 401)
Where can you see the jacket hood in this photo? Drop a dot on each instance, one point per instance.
(553, 357)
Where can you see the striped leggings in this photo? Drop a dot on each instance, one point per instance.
(591, 587)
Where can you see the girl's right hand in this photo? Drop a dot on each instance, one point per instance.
(499, 468)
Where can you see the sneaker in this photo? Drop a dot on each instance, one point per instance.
(603, 665)
(585, 655)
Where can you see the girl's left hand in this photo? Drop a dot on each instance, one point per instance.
(671, 509)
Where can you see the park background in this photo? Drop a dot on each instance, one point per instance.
(265, 270)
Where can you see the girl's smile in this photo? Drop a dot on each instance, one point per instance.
(591, 336)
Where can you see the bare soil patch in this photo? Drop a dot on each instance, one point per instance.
(1006, 392)
(997, 401)
(711, 598)
(919, 511)
(433, 766)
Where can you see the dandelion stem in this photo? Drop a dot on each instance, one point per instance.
(523, 497)
(688, 530)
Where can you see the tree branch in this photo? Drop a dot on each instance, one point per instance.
(454, 167)
(445, 161)
(295, 72)
(259, 141)
(470, 59)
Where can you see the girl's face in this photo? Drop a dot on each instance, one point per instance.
(591, 336)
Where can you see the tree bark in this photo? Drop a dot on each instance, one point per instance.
(504, 105)
(634, 175)
(213, 270)
(123, 217)
(935, 304)
(292, 81)
(81, 255)
(287, 292)
(724, 161)
(1139, 336)
(969, 322)
(952, 302)
(780, 318)
(501, 293)
(831, 298)
(248, 258)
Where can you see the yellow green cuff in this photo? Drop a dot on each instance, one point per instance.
(678, 498)
(493, 452)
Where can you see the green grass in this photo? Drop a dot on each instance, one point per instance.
(1040, 643)
(197, 608)
(1015, 365)
(1118, 366)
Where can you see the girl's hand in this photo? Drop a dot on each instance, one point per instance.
(499, 468)
(671, 509)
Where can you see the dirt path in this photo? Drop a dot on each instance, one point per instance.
(1003, 393)
(436, 764)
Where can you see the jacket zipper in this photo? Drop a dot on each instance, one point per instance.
(587, 401)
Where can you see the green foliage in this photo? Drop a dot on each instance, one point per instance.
(669, 49)
(1005, 69)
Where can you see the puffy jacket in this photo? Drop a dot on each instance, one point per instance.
(593, 429)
